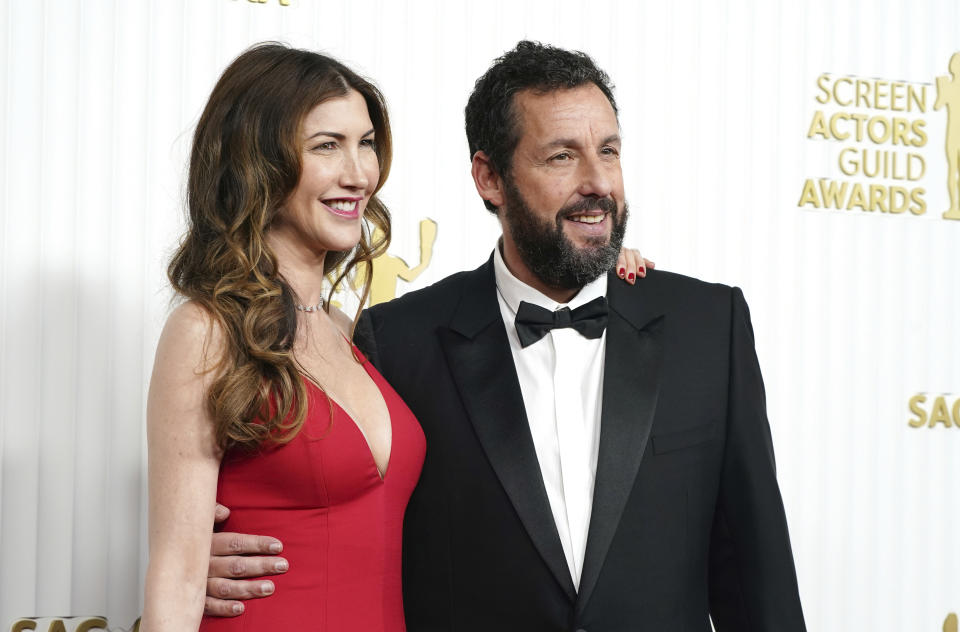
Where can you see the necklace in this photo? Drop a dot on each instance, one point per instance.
(310, 308)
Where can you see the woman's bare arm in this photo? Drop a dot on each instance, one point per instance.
(183, 466)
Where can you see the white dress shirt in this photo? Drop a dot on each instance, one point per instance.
(561, 378)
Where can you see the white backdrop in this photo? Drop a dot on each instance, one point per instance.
(855, 312)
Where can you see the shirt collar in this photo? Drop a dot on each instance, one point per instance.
(513, 290)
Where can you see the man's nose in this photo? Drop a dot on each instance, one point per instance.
(596, 178)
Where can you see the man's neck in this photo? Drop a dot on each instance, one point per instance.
(523, 274)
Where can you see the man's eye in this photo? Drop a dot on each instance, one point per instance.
(561, 156)
(610, 151)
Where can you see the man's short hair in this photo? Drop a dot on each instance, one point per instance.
(491, 119)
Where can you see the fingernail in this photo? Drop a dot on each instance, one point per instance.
(643, 272)
(281, 566)
(237, 608)
(266, 588)
(630, 276)
(276, 547)
(621, 272)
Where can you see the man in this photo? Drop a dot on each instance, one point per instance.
(599, 456)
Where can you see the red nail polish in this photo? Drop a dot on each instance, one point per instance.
(621, 272)
(630, 276)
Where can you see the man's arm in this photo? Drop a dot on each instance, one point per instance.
(753, 583)
(234, 556)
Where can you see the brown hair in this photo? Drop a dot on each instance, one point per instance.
(245, 162)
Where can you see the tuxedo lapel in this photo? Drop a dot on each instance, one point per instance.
(480, 361)
(634, 352)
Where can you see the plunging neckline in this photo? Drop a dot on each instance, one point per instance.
(373, 459)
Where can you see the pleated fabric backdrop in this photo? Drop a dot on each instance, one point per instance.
(855, 312)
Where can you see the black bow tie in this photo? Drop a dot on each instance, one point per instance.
(533, 322)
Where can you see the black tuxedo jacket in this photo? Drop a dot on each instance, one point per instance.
(687, 518)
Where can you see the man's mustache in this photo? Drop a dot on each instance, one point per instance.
(607, 205)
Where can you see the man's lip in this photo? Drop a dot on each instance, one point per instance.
(590, 213)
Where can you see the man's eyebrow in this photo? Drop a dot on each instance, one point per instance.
(570, 142)
(337, 135)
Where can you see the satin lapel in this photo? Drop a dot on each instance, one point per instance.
(631, 384)
(479, 358)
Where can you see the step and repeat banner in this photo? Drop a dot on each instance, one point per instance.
(808, 152)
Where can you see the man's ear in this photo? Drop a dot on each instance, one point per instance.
(488, 182)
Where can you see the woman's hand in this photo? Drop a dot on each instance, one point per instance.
(631, 265)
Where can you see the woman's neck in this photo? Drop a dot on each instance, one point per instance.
(301, 267)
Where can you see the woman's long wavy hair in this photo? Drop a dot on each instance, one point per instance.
(245, 163)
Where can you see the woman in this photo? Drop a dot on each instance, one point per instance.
(255, 381)
(257, 398)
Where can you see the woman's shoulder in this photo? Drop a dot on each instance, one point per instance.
(193, 336)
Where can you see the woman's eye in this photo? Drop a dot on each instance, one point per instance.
(369, 142)
(327, 146)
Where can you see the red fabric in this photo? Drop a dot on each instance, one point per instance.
(341, 525)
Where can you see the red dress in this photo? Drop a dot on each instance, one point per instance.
(341, 524)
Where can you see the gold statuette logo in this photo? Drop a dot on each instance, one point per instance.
(948, 95)
(950, 624)
(881, 128)
(388, 269)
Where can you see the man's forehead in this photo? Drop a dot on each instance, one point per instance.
(549, 113)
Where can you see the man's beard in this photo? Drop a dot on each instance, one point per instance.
(549, 254)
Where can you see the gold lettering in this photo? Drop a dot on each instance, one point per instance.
(57, 626)
(921, 136)
(860, 119)
(863, 94)
(921, 204)
(94, 623)
(825, 98)
(900, 127)
(876, 164)
(809, 195)
(911, 159)
(848, 160)
(833, 195)
(956, 412)
(917, 410)
(878, 197)
(898, 200)
(879, 92)
(939, 413)
(896, 95)
(919, 99)
(23, 624)
(857, 198)
(836, 97)
(839, 116)
(818, 126)
(886, 129)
